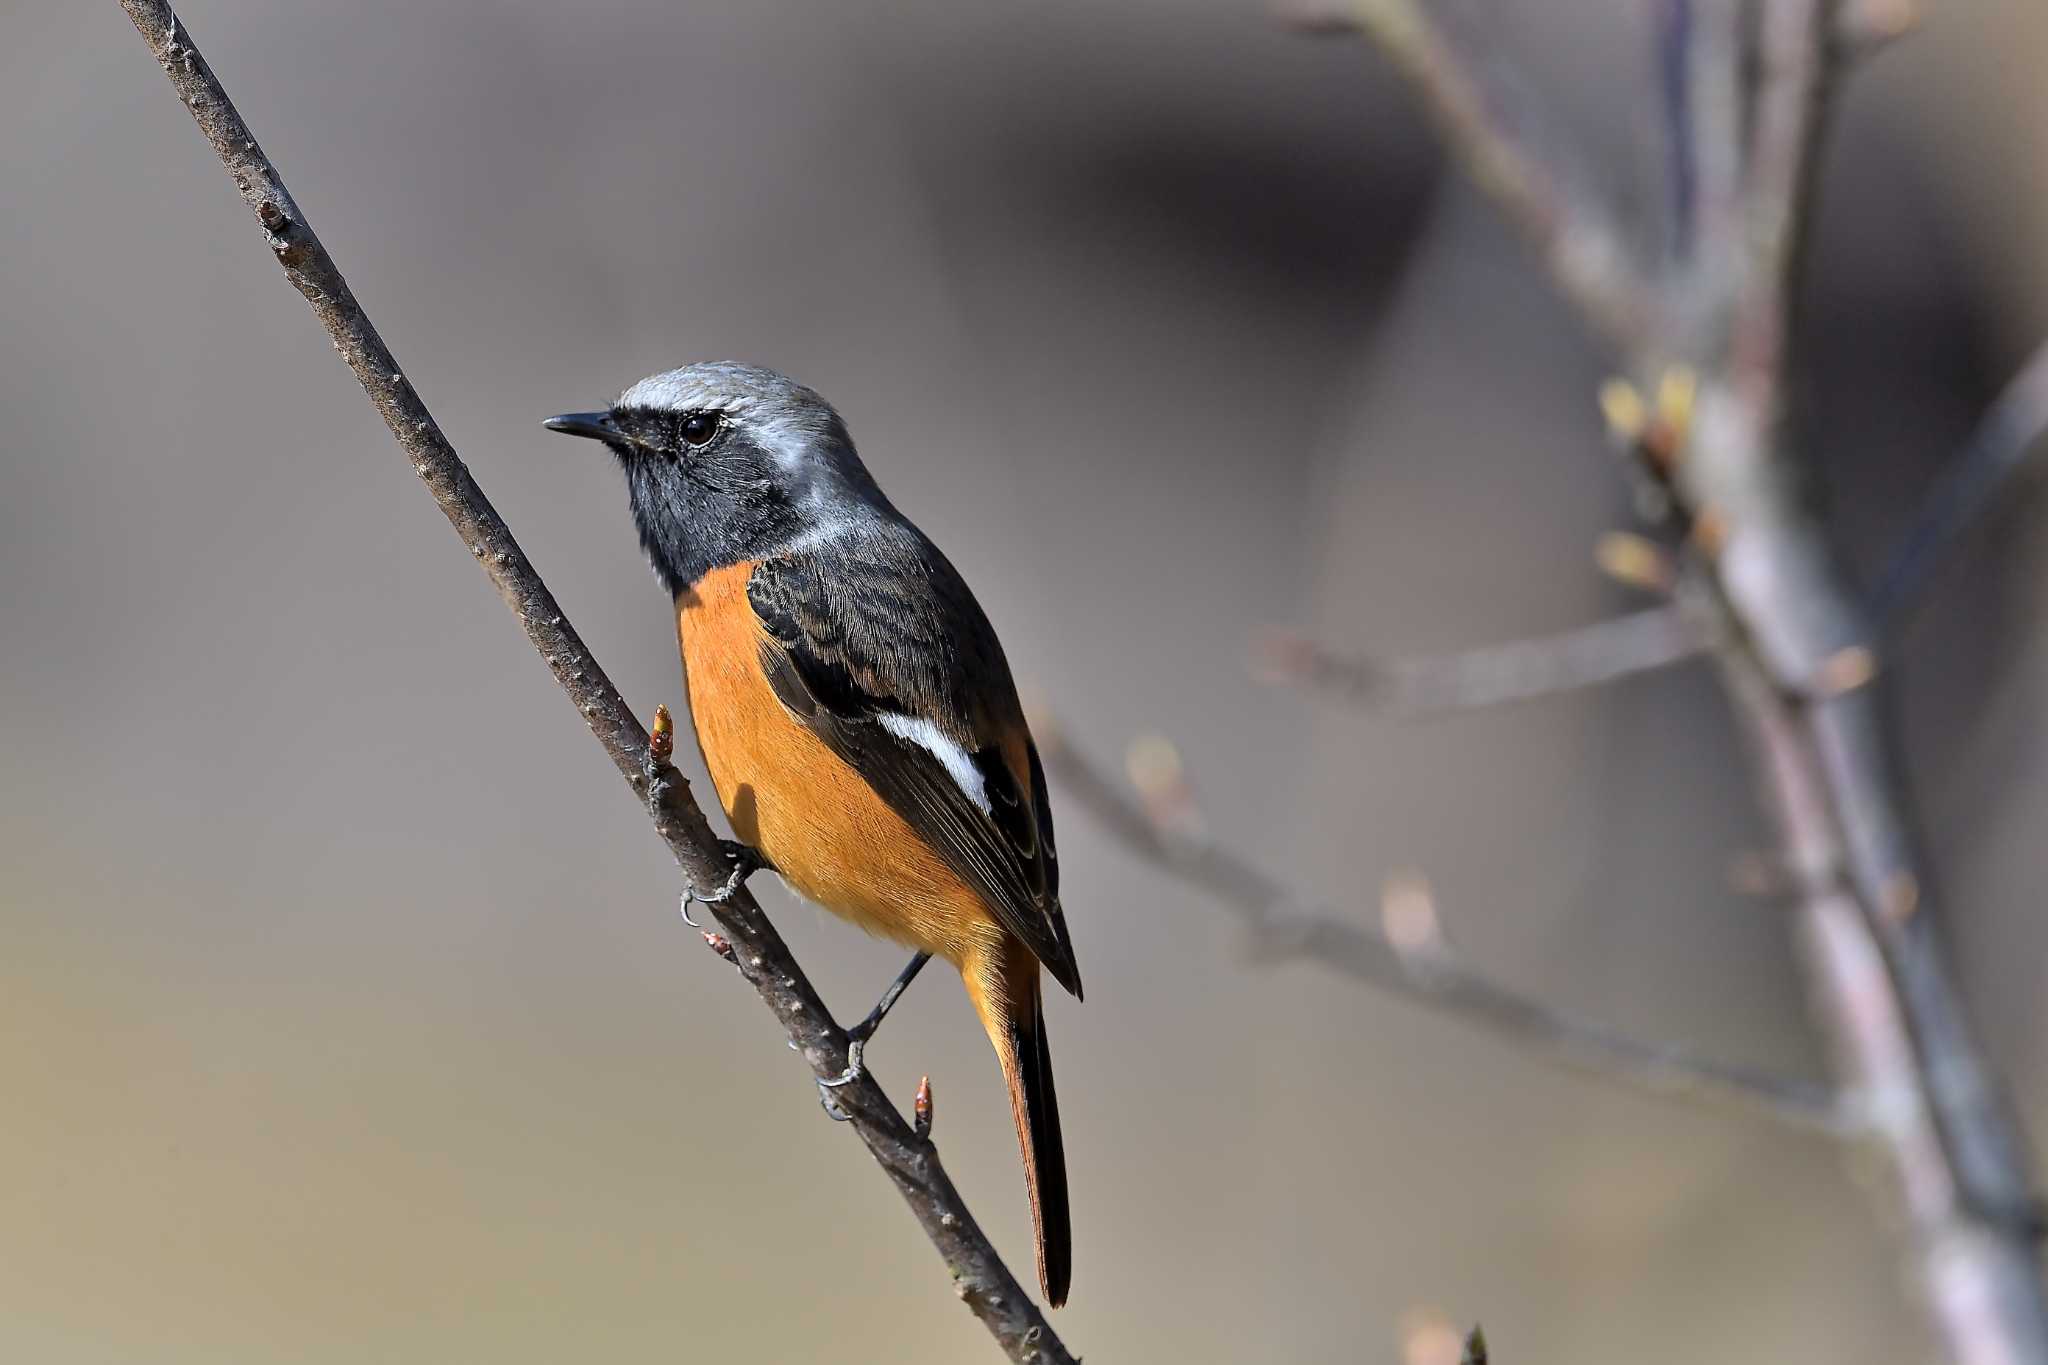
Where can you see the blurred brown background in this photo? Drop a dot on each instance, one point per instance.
(344, 1010)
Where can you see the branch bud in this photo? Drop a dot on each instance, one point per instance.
(1156, 770)
(1622, 406)
(1408, 915)
(1845, 670)
(1632, 559)
(1671, 423)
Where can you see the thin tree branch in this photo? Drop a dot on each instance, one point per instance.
(751, 943)
(1494, 675)
(1409, 959)
(1997, 451)
(1675, 44)
(1570, 227)
(1700, 60)
(1795, 57)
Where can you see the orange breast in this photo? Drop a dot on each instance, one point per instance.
(787, 794)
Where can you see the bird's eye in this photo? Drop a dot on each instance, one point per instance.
(698, 428)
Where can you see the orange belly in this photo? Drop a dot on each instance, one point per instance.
(787, 794)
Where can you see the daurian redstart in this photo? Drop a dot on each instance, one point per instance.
(855, 710)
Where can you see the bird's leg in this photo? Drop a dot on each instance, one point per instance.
(744, 862)
(859, 1034)
(866, 1028)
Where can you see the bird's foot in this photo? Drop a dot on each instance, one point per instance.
(856, 1066)
(743, 862)
(857, 1037)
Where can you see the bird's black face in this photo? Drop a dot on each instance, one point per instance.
(724, 464)
(704, 492)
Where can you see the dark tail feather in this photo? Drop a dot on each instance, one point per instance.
(1013, 1013)
(1045, 1157)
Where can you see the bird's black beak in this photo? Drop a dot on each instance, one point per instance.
(596, 425)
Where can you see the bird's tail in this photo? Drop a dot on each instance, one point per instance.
(1004, 987)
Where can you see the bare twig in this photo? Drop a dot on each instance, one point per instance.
(1409, 959)
(1699, 59)
(1518, 671)
(1796, 70)
(749, 941)
(1998, 449)
(1569, 227)
(1675, 41)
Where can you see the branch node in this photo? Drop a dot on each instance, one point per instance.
(921, 1109)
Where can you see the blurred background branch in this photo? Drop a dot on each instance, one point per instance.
(1493, 675)
(1983, 472)
(750, 943)
(1572, 230)
(1409, 956)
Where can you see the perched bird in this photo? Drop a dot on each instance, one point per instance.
(855, 711)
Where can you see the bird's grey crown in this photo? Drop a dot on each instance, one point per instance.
(722, 386)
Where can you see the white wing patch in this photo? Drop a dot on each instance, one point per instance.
(919, 731)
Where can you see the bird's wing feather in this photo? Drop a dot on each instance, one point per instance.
(884, 654)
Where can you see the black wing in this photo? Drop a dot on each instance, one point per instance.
(884, 627)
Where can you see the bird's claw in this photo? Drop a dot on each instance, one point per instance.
(830, 1104)
(857, 1037)
(744, 862)
(856, 1066)
(828, 1099)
